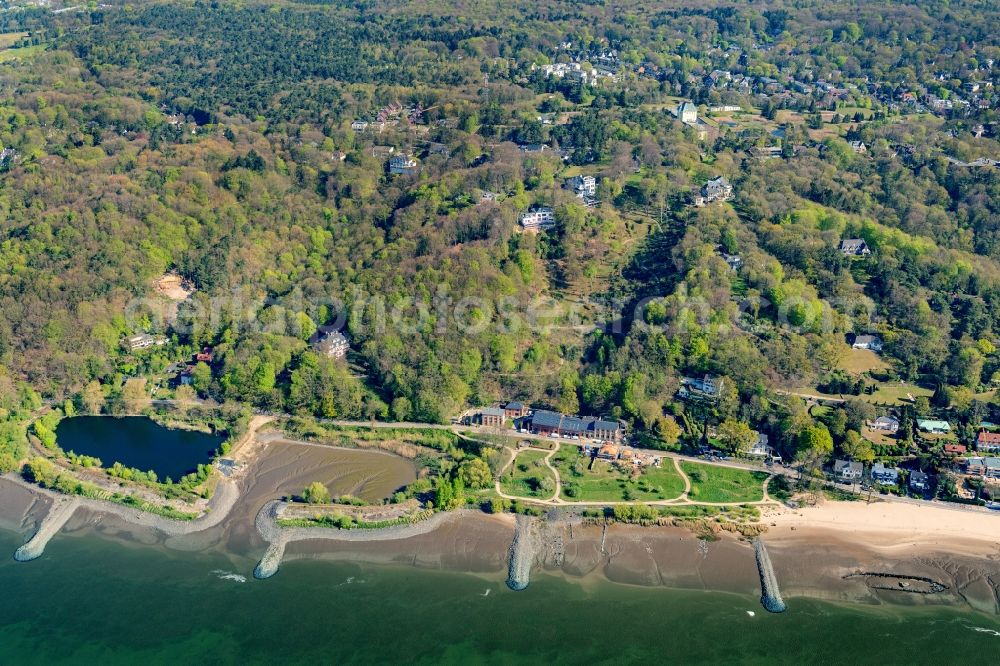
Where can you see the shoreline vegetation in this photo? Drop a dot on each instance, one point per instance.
(458, 479)
(532, 542)
(70, 473)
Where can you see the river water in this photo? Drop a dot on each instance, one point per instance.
(92, 600)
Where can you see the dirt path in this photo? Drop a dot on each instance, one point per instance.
(687, 481)
(681, 500)
(555, 473)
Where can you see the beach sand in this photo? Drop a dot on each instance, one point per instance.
(812, 548)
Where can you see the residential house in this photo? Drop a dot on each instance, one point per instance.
(538, 218)
(854, 247)
(708, 387)
(359, 125)
(488, 197)
(438, 149)
(516, 410)
(760, 448)
(403, 165)
(333, 345)
(687, 112)
(885, 476)
(718, 77)
(187, 376)
(383, 152)
(848, 470)
(859, 147)
(717, 189)
(583, 186)
(986, 467)
(974, 466)
(735, 261)
(988, 442)
(492, 417)
(766, 152)
(865, 341)
(533, 148)
(884, 424)
(206, 355)
(955, 449)
(932, 426)
(919, 481)
(145, 340)
(992, 466)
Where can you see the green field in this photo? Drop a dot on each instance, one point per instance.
(528, 476)
(603, 482)
(860, 361)
(893, 393)
(22, 53)
(712, 483)
(8, 39)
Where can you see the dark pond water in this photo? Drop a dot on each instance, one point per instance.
(138, 442)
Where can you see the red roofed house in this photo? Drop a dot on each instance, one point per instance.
(988, 441)
(954, 449)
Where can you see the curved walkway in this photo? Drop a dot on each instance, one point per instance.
(681, 500)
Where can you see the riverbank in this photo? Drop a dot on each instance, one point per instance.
(814, 552)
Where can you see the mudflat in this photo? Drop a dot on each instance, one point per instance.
(844, 551)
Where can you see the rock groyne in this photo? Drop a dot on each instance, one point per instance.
(522, 554)
(62, 509)
(770, 596)
(267, 527)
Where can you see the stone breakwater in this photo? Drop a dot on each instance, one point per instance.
(770, 596)
(278, 537)
(522, 554)
(268, 529)
(61, 511)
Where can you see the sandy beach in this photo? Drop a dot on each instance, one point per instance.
(816, 551)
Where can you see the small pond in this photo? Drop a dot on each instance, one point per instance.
(139, 442)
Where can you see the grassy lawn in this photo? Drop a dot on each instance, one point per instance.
(528, 476)
(712, 483)
(859, 361)
(896, 393)
(26, 52)
(880, 438)
(604, 482)
(892, 393)
(8, 39)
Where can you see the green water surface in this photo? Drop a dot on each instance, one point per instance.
(91, 600)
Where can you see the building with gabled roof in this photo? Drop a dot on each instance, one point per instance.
(848, 470)
(854, 247)
(332, 344)
(988, 442)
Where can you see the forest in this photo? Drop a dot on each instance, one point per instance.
(214, 141)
